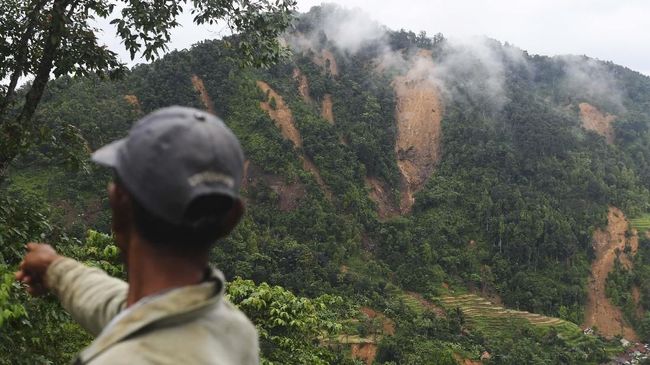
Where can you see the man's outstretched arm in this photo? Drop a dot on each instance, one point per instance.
(91, 296)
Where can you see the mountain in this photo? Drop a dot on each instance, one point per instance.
(470, 199)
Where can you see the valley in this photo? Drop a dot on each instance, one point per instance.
(409, 199)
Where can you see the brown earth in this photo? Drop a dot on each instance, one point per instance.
(327, 108)
(308, 165)
(365, 349)
(600, 312)
(303, 85)
(289, 194)
(366, 352)
(197, 82)
(636, 299)
(281, 114)
(418, 114)
(462, 361)
(380, 194)
(439, 311)
(134, 102)
(245, 179)
(283, 119)
(387, 324)
(327, 61)
(594, 120)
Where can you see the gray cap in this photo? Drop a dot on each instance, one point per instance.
(174, 155)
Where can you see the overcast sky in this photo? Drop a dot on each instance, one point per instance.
(609, 30)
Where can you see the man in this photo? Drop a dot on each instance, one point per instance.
(175, 192)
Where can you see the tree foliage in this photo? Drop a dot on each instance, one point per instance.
(40, 38)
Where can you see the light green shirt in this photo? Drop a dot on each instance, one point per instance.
(188, 325)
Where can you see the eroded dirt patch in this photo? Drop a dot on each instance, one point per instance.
(636, 299)
(600, 312)
(594, 120)
(289, 194)
(387, 324)
(134, 102)
(197, 82)
(327, 108)
(463, 361)
(418, 115)
(280, 113)
(303, 85)
(327, 60)
(308, 165)
(283, 119)
(440, 312)
(381, 195)
(366, 352)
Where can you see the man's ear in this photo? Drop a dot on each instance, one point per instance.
(233, 217)
(121, 207)
(118, 197)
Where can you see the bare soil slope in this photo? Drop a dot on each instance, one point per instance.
(303, 85)
(327, 108)
(594, 120)
(418, 115)
(463, 361)
(197, 82)
(283, 119)
(327, 61)
(600, 312)
(380, 194)
(387, 324)
(366, 352)
(280, 113)
(289, 194)
(134, 102)
(440, 312)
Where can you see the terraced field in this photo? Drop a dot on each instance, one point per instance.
(485, 315)
(642, 223)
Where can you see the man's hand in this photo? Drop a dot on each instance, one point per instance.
(34, 266)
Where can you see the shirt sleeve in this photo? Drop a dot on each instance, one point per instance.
(90, 295)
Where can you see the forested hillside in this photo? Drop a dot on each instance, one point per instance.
(432, 200)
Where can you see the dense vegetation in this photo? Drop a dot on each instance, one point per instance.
(509, 211)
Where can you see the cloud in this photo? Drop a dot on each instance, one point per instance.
(590, 80)
(348, 29)
(473, 70)
(466, 69)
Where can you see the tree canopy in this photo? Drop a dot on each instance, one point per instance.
(44, 38)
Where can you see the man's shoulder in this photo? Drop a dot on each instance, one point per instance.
(223, 335)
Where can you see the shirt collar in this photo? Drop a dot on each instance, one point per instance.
(162, 309)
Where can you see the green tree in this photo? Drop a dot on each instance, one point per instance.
(292, 329)
(41, 38)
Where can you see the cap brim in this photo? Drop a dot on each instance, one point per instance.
(107, 155)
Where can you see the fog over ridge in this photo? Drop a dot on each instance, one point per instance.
(470, 68)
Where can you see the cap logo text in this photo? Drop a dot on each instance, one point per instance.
(211, 177)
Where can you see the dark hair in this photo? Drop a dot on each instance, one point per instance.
(202, 223)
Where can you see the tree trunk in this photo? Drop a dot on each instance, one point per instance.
(23, 51)
(13, 132)
(52, 43)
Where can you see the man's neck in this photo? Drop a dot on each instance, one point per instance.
(151, 271)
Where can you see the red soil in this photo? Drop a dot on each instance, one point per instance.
(594, 120)
(418, 114)
(197, 82)
(600, 312)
